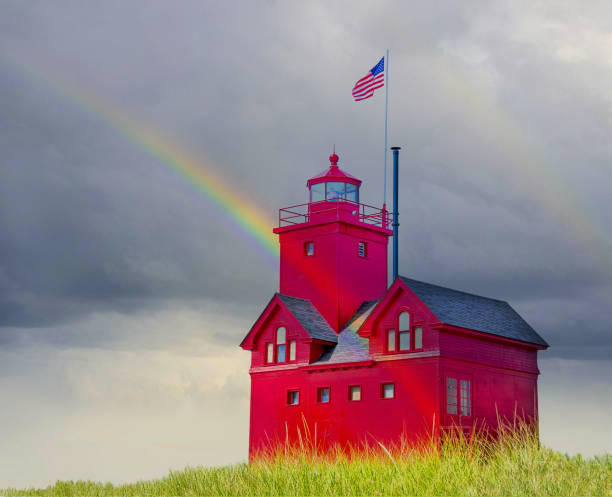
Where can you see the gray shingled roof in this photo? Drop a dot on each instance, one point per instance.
(310, 319)
(474, 312)
(351, 347)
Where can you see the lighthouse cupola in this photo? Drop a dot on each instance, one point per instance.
(333, 184)
(333, 249)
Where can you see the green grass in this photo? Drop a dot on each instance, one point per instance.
(515, 465)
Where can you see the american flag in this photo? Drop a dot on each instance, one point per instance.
(364, 88)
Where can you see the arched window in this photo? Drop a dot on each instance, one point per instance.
(404, 331)
(281, 349)
(281, 337)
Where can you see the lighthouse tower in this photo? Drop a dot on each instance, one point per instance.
(333, 250)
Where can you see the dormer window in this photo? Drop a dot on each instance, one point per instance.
(281, 333)
(276, 352)
(404, 331)
(407, 338)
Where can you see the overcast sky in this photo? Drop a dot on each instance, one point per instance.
(125, 291)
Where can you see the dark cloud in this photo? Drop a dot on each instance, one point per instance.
(124, 291)
(91, 223)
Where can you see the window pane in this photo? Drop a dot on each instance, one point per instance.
(466, 400)
(309, 248)
(323, 395)
(418, 338)
(280, 353)
(356, 392)
(280, 335)
(292, 347)
(451, 395)
(404, 321)
(404, 340)
(317, 192)
(352, 193)
(335, 191)
(270, 354)
(391, 340)
(293, 398)
(388, 391)
(362, 249)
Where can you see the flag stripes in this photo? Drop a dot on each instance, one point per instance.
(364, 88)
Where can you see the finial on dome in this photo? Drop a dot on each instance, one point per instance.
(333, 158)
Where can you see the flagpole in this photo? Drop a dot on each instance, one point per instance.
(386, 126)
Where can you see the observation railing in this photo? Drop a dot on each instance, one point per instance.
(331, 210)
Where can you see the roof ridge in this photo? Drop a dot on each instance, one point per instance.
(453, 290)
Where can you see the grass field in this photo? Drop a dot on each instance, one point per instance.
(518, 465)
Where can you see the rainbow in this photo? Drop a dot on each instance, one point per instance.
(243, 213)
(524, 163)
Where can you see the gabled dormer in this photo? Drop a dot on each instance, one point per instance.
(415, 318)
(290, 332)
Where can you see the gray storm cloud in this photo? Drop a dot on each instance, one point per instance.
(109, 258)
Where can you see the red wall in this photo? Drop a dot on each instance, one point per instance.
(341, 420)
(335, 279)
(504, 375)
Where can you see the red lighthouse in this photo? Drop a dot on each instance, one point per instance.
(359, 362)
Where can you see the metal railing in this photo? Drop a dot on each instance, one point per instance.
(326, 210)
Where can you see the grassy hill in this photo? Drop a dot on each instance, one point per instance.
(518, 465)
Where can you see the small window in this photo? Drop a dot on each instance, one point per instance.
(363, 249)
(309, 248)
(270, 353)
(292, 347)
(404, 331)
(418, 338)
(323, 395)
(451, 396)
(355, 392)
(388, 390)
(466, 398)
(390, 340)
(293, 397)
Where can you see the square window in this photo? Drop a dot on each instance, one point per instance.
(390, 340)
(404, 340)
(355, 392)
(363, 249)
(293, 397)
(418, 338)
(270, 353)
(388, 390)
(323, 395)
(292, 347)
(309, 248)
